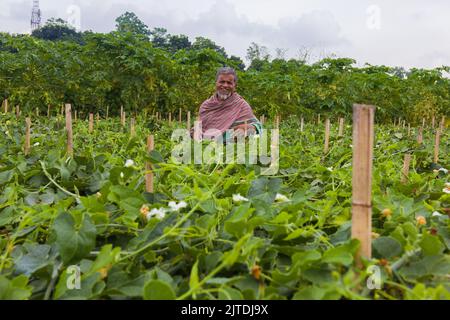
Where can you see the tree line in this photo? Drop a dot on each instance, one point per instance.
(142, 69)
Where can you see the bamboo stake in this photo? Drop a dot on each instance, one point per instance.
(148, 166)
(363, 132)
(436, 145)
(420, 135)
(170, 118)
(179, 116)
(27, 136)
(341, 127)
(69, 129)
(302, 124)
(6, 105)
(124, 119)
(75, 115)
(405, 170)
(132, 127)
(442, 126)
(423, 122)
(327, 136)
(433, 120)
(188, 122)
(91, 122)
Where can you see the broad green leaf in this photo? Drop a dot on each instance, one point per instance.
(386, 247)
(158, 290)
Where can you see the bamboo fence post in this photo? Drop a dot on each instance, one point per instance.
(327, 136)
(363, 136)
(124, 118)
(405, 170)
(69, 129)
(27, 136)
(423, 122)
(188, 121)
(75, 115)
(442, 126)
(436, 145)
(179, 116)
(91, 122)
(302, 124)
(170, 118)
(433, 120)
(341, 127)
(132, 127)
(6, 106)
(148, 166)
(420, 135)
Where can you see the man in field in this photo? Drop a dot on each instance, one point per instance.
(226, 113)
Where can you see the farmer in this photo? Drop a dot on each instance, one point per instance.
(226, 113)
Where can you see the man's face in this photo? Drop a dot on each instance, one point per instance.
(225, 86)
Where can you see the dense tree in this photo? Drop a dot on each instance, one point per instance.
(129, 22)
(57, 29)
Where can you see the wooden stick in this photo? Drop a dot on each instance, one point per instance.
(442, 126)
(69, 129)
(436, 145)
(423, 122)
(124, 118)
(170, 117)
(91, 122)
(363, 132)
(121, 114)
(405, 170)
(27, 136)
(75, 116)
(148, 166)
(6, 105)
(327, 136)
(420, 135)
(341, 127)
(433, 120)
(188, 122)
(132, 127)
(302, 124)
(179, 116)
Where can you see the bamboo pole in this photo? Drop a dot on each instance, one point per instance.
(179, 116)
(277, 124)
(302, 124)
(132, 127)
(423, 122)
(433, 120)
(148, 166)
(420, 135)
(170, 118)
(124, 118)
(188, 121)
(442, 126)
(75, 116)
(436, 145)
(327, 136)
(69, 129)
(27, 146)
(341, 127)
(363, 132)
(6, 105)
(91, 122)
(405, 170)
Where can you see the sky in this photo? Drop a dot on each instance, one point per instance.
(404, 33)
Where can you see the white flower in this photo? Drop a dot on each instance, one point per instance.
(176, 207)
(281, 198)
(36, 144)
(443, 170)
(129, 163)
(238, 198)
(122, 175)
(436, 214)
(157, 213)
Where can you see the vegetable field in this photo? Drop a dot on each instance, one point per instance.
(82, 226)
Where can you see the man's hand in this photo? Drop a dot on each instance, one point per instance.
(241, 129)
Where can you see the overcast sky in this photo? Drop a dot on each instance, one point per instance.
(408, 33)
